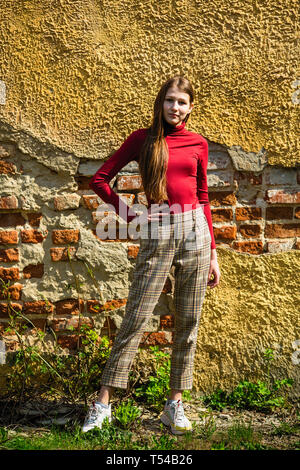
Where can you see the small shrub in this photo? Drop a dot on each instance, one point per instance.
(127, 414)
(250, 395)
(156, 389)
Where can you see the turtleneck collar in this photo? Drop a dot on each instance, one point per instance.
(174, 130)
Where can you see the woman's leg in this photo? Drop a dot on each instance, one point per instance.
(105, 395)
(152, 268)
(175, 394)
(191, 277)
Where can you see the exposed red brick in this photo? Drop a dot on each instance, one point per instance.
(62, 237)
(152, 339)
(273, 213)
(250, 231)
(13, 291)
(32, 236)
(39, 323)
(33, 270)
(91, 201)
(247, 213)
(127, 182)
(225, 232)
(114, 304)
(282, 196)
(222, 198)
(247, 177)
(282, 230)
(221, 215)
(5, 309)
(9, 274)
(93, 306)
(7, 168)
(69, 307)
(132, 251)
(297, 212)
(11, 220)
(167, 321)
(252, 247)
(63, 324)
(68, 341)
(33, 323)
(297, 245)
(40, 307)
(9, 255)
(61, 254)
(34, 218)
(83, 182)
(8, 202)
(9, 237)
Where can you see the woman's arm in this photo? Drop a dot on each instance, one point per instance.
(214, 270)
(100, 181)
(202, 190)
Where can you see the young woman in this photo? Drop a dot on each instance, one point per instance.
(173, 163)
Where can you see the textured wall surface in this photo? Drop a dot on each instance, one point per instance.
(83, 73)
(76, 77)
(256, 307)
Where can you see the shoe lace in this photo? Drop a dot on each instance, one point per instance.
(179, 410)
(93, 413)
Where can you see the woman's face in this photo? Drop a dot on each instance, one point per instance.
(176, 106)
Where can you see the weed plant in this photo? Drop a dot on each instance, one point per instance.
(155, 390)
(260, 395)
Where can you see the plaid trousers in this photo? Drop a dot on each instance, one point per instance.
(182, 240)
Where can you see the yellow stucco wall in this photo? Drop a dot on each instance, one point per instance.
(255, 307)
(84, 73)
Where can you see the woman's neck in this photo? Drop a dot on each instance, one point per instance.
(170, 129)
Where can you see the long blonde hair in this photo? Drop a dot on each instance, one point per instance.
(154, 154)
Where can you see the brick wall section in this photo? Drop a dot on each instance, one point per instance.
(254, 212)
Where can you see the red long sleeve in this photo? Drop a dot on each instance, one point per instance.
(202, 189)
(186, 172)
(99, 183)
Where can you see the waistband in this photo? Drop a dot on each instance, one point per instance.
(181, 217)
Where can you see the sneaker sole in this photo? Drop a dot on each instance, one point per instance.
(165, 420)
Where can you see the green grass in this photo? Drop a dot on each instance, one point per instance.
(110, 437)
(207, 436)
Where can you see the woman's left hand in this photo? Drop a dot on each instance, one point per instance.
(215, 272)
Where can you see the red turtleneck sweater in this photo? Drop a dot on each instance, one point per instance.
(186, 172)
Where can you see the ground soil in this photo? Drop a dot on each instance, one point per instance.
(41, 414)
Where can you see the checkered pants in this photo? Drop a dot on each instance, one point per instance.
(183, 241)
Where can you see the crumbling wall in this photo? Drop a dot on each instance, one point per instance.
(76, 79)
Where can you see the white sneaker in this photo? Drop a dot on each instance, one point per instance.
(173, 416)
(96, 416)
